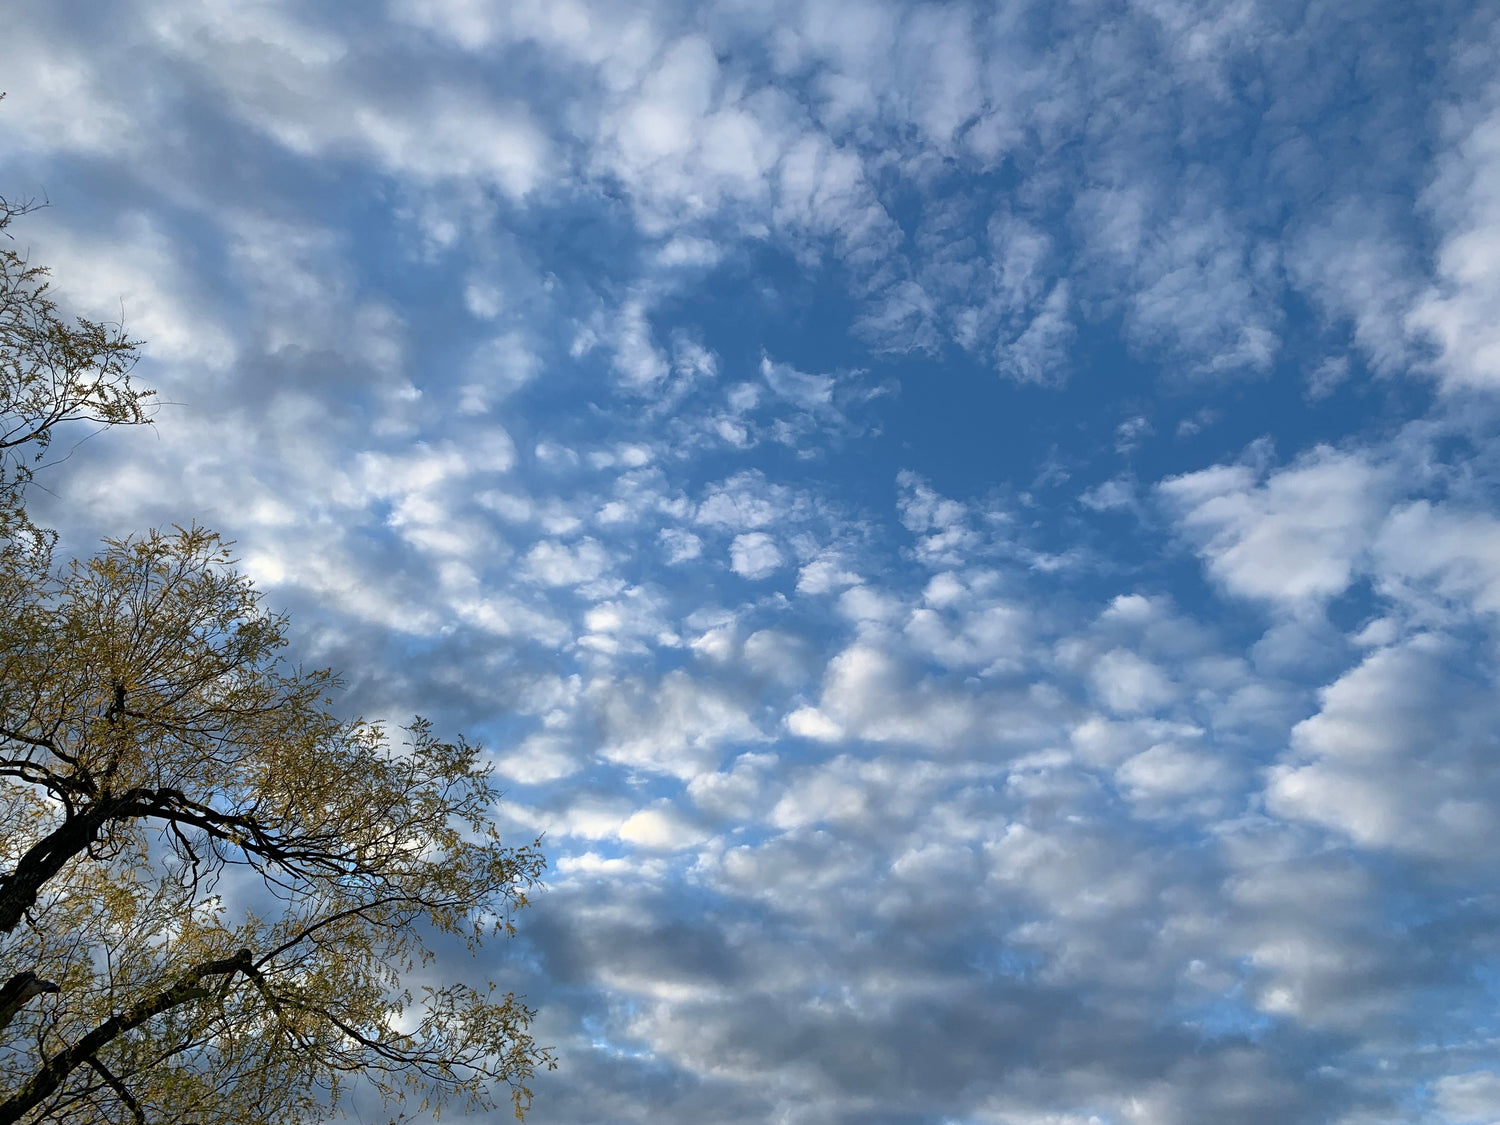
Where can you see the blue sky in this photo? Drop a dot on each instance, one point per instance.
(971, 529)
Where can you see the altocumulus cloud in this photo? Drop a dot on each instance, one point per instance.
(971, 530)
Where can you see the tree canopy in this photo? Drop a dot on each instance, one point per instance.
(218, 899)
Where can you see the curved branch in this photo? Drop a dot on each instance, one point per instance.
(18, 991)
(121, 1090)
(187, 988)
(44, 859)
(20, 887)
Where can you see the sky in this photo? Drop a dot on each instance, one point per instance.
(969, 529)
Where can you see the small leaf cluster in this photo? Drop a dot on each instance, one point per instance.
(53, 369)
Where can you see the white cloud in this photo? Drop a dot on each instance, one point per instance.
(638, 361)
(677, 726)
(539, 758)
(868, 694)
(1357, 269)
(735, 793)
(1380, 761)
(1113, 495)
(57, 99)
(847, 791)
(809, 722)
(1294, 537)
(989, 636)
(692, 252)
(1171, 775)
(661, 827)
(1469, 1099)
(1433, 549)
(754, 555)
(500, 367)
(136, 277)
(671, 100)
(779, 656)
(1129, 683)
(557, 564)
(810, 392)
(1194, 284)
(1458, 312)
(744, 502)
(583, 32)
(946, 537)
(825, 573)
(679, 546)
(316, 107)
(1327, 377)
(1040, 353)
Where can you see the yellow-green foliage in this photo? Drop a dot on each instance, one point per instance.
(52, 370)
(228, 885)
(215, 895)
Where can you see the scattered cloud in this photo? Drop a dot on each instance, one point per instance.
(681, 399)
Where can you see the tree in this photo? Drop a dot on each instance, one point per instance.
(218, 899)
(51, 371)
